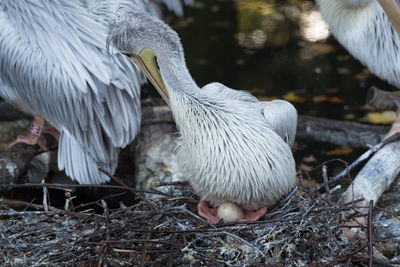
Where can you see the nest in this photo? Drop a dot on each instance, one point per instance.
(305, 228)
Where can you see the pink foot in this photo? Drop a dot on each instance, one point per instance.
(253, 215)
(210, 214)
(34, 136)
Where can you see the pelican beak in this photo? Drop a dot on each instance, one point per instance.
(392, 10)
(147, 62)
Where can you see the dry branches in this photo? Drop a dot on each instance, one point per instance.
(303, 229)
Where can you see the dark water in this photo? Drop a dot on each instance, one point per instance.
(276, 48)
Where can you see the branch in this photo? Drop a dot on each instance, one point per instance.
(383, 100)
(343, 133)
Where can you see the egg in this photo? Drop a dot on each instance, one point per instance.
(230, 212)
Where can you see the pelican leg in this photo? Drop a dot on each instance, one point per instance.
(253, 215)
(210, 214)
(34, 136)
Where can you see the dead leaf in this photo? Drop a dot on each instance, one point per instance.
(343, 71)
(309, 159)
(335, 100)
(267, 98)
(333, 90)
(320, 98)
(258, 91)
(344, 150)
(304, 167)
(385, 117)
(321, 48)
(350, 116)
(292, 97)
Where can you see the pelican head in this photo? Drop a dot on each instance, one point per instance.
(229, 150)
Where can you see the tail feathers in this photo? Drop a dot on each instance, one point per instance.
(78, 163)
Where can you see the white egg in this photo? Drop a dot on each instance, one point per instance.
(230, 212)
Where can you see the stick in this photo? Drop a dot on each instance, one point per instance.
(370, 241)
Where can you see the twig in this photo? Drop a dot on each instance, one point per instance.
(370, 238)
(51, 209)
(63, 186)
(45, 196)
(115, 179)
(325, 177)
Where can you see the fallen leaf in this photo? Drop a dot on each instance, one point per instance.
(309, 159)
(335, 100)
(350, 116)
(344, 150)
(292, 97)
(319, 98)
(363, 75)
(385, 117)
(321, 48)
(258, 91)
(266, 98)
(343, 71)
(333, 90)
(304, 167)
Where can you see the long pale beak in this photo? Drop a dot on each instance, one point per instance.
(147, 62)
(392, 10)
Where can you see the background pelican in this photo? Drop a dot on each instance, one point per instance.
(368, 29)
(55, 66)
(231, 146)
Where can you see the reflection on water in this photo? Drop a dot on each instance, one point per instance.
(276, 49)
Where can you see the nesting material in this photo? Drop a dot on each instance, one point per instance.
(303, 229)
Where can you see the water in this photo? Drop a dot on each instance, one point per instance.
(277, 49)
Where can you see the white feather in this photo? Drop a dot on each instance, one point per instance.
(364, 29)
(54, 63)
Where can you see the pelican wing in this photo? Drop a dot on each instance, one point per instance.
(392, 10)
(54, 63)
(282, 116)
(54, 59)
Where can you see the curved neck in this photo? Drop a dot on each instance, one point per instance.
(175, 74)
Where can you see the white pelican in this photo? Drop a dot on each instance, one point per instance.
(54, 65)
(231, 146)
(369, 30)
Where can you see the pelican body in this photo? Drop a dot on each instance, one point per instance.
(368, 29)
(229, 148)
(54, 63)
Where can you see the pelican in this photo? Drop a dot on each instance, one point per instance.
(231, 147)
(369, 30)
(54, 64)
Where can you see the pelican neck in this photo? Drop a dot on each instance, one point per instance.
(176, 76)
